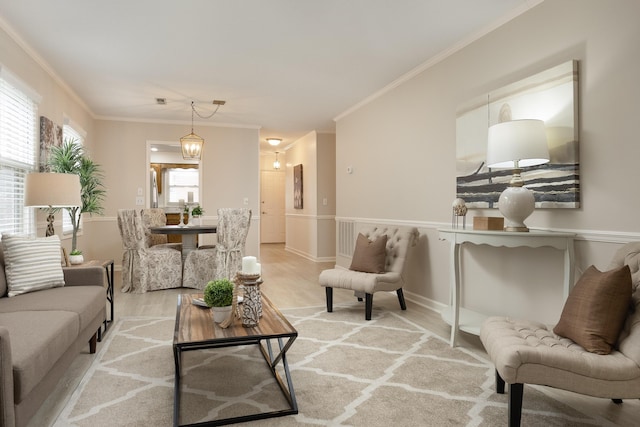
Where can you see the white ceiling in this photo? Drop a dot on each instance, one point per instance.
(285, 66)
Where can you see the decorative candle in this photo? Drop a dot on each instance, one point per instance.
(190, 196)
(249, 265)
(258, 268)
(181, 202)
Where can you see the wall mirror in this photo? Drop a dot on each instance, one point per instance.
(171, 180)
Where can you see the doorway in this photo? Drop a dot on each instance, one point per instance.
(272, 209)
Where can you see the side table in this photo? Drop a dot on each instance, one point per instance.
(469, 321)
(107, 264)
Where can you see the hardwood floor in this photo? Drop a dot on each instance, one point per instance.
(292, 281)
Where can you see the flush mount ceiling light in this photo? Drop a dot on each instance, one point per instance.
(274, 141)
(192, 144)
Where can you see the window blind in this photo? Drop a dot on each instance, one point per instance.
(18, 145)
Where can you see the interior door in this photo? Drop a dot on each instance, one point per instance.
(272, 223)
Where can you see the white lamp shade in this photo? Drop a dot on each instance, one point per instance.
(521, 141)
(56, 190)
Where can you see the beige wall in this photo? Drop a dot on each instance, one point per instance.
(402, 150)
(229, 171)
(311, 230)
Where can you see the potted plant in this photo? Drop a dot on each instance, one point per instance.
(218, 294)
(196, 213)
(71, 158)
(75, 257)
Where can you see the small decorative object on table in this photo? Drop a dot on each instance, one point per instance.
(252, 302)
(219, 295)
(196, 214)
(459, 210)
(75, 257)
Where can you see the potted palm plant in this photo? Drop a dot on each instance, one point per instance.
(70, 157)
(218, 294)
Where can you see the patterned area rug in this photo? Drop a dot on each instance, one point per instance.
(346, 371)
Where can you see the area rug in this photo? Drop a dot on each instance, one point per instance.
(346, 371)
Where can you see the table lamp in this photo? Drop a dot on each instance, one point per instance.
(52, 190)
(517, 144)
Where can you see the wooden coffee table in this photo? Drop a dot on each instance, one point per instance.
(195, 330)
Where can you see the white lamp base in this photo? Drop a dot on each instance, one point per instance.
(516, 204)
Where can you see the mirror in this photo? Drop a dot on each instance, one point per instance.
(171, 179)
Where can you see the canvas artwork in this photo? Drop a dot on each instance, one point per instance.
(551, 96)
(50, 135)
(297, 187)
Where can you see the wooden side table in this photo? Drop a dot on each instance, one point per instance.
(107, 264)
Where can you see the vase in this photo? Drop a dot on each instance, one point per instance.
(220, 314)
(76, 259)
(251, 305)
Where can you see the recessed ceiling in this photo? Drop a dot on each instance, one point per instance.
(287, 67)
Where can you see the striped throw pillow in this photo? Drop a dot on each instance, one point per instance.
(32, 264)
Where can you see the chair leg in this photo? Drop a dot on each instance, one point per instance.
(515, 404)
(92, 343)
(368, 306)
(617, 401)
(499, 383)
(329, 292)
(403, 304)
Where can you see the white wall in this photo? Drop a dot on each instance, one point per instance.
(402, 150)
(311, 230)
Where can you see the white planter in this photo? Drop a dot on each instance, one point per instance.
(76, 259)
(220, 314)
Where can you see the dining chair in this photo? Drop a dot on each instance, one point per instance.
(155, 217)
(145, 268)
(225, 259)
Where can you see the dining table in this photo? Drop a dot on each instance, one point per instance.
(188, 233)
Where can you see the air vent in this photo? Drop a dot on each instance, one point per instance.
(218, 102)
(161, 101)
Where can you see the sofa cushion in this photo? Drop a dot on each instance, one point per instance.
(38, 340)
(32, 264)
(84, 301)
(369, 256)
(596, 308)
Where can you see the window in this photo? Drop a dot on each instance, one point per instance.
(18, 147)
(180, 183)
(71, 132)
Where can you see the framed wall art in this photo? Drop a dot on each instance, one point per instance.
(297, 187)
(551, 96)
(50, 135)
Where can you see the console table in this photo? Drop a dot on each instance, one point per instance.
(469, 321)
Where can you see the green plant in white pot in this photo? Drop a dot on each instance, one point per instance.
(75, 257)
(218, 294)
(70, 157)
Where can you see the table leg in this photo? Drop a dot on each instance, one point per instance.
(188, 244)
(455, 291)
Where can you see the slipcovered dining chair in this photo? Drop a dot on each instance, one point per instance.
(225, 259)
(527, 352)
(155, 217)
(365, 277)
(145, 268)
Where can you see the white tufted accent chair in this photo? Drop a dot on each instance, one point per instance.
(526, 352)
(399, 240)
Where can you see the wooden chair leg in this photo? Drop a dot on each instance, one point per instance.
(368, 306)
(329, 292)
(403, 304)
(617, 401)
(515, 404)
(93, 343)
(499, 383)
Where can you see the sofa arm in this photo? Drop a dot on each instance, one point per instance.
(7, 412)
(83, 276)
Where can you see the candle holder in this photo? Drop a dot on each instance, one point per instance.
(252, 302)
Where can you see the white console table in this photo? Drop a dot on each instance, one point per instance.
(469, 321)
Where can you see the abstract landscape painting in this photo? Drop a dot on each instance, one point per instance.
(551, 96)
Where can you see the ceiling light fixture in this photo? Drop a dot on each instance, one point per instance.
(192, 144)
(276, 164)
(274, 141)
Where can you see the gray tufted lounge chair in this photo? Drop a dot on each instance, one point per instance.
(399, 239)
(526, 352)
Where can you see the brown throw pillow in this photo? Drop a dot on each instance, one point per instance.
(369, 256)
(596, 309)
